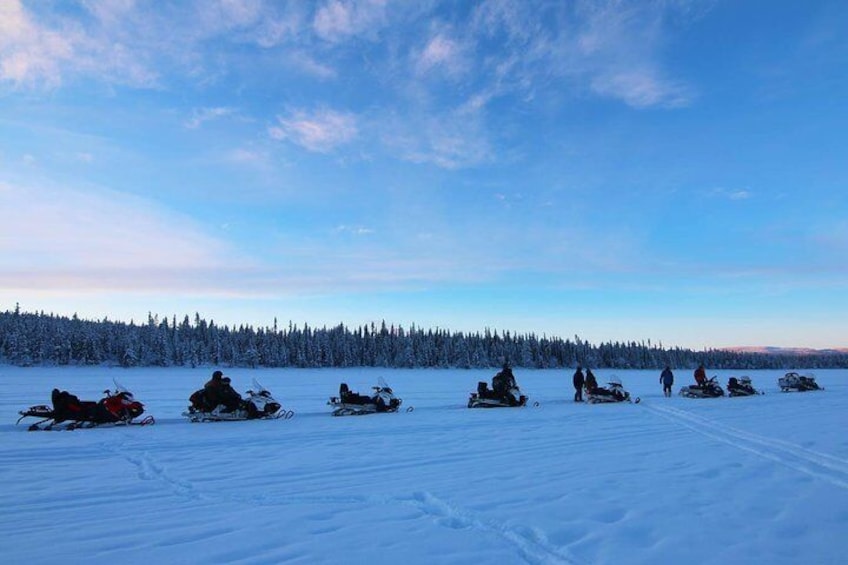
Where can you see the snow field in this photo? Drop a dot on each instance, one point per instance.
(730, 480)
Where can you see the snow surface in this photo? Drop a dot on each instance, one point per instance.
(730, 480)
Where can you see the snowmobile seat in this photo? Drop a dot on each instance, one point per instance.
(345, 395)
(349, 397)
(67, 406)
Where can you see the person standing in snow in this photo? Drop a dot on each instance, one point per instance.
(667, 379)
(578, 379)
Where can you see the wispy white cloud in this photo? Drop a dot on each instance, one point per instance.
(320, 130)
(449, 139)
(246, 156)
(609, 48)
(731, 194)
(337, 20)
(199, 116)
(29, 53)
(97, 238)
(35, 54)
(442, 53)
(306, 64)
(641, 88)
(353, 230)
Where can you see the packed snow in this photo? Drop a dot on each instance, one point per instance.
(668, 480)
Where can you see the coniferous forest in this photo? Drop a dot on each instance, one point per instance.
(32, 339)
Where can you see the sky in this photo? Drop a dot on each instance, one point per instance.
(672, 171)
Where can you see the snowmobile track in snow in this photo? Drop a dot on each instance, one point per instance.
(813, 463)
(532, 544)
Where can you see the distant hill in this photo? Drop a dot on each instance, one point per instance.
(770, 350)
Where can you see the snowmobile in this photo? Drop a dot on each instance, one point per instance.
(710, 389)
(741, 387)
(349, 403)
(68, 412)
(613, 392)
(259, 404)
(798, 383)
(488, 398)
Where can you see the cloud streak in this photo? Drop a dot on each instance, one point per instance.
(320, 130)
(97, 238)
(200, 116)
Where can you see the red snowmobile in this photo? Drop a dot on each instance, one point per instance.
(68, 412)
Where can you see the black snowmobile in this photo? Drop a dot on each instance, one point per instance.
(710, 389)
(259, 404)
(503, 394)
(349, 403)
(68, 412)
(797, 383)
(613, 392)
(741, 387)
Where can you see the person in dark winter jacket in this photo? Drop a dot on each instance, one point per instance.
(219, 391)
(503, 383)
(591, 382)
(701, 375)
(229, 397)
(578, 379)
(667, 379)
(212, 390)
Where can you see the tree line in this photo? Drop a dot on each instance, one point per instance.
(34, 339)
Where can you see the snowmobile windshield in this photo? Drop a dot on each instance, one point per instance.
(381, 382)
(119, 388)
(257, 387)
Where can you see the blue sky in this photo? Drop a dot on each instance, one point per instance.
(672, 170)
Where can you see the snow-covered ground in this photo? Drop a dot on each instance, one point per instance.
(731, 480)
